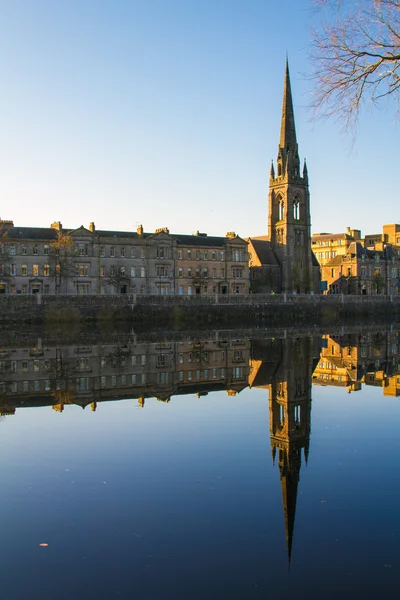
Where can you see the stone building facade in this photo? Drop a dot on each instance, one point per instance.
(33, 260)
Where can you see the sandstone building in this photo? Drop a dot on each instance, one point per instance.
(283, 261)
(351, 264)
(33, 260)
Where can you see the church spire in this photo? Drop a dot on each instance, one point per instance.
(288, 130)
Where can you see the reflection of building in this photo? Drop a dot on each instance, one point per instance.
(289, 388)
(88, 374)
(352, 360)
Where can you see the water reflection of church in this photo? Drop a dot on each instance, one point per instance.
(59, 375)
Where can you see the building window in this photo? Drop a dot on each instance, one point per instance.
(142, 271)
(102, 271)
(35, 270)
(180, 272)
(24, 270)
(189, 273)
(189, 254)
(102, 251)
(162, 271)
(112, 252)
(82, 270)
(237, 255)
(222, 254)
(24, 249)
(133, 252)
(12, 249)
(35, 250)
(333, 273)
(123, 252)
(180, 254)
(82, 249)
(133, 271)
(205, 272)
(205, 254)
(197, 254)
(222, 273)
(46, 270)
(13, 269)
(162, 252)
(237, 272)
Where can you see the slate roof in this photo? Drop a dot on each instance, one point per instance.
(262, 247)
(120, 234)
(202, 240)
(31, 233)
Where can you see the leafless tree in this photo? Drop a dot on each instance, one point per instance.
(355, 55)
(62, 256)
(118, 279)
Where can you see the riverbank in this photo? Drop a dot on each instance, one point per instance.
(194, 311)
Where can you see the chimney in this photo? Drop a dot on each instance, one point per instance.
(230, 234)
(92, 226)
(56, 225)
(140, 230)
(6, 224)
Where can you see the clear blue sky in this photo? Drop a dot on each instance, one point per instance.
(167, 113)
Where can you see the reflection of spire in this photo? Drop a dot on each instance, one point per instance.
(289, 465)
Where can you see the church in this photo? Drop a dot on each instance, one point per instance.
(283, 260)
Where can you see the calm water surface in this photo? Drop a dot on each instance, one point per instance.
(257, 475)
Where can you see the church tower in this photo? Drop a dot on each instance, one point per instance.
(289, 221)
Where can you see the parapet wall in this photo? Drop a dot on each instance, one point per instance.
(162, 310)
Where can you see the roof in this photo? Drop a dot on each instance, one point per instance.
(32, 233)
(331, 236)
(262, 248)
(203, 240)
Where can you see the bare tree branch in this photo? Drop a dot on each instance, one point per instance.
(355, 56)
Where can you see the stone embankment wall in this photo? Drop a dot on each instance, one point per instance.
(189, 311)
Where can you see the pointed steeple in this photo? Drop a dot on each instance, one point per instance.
(305, 170)
(288, 129)
(272, 173)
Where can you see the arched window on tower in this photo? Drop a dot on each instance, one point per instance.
(296, 209)
(281, 209)
(279, 169)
